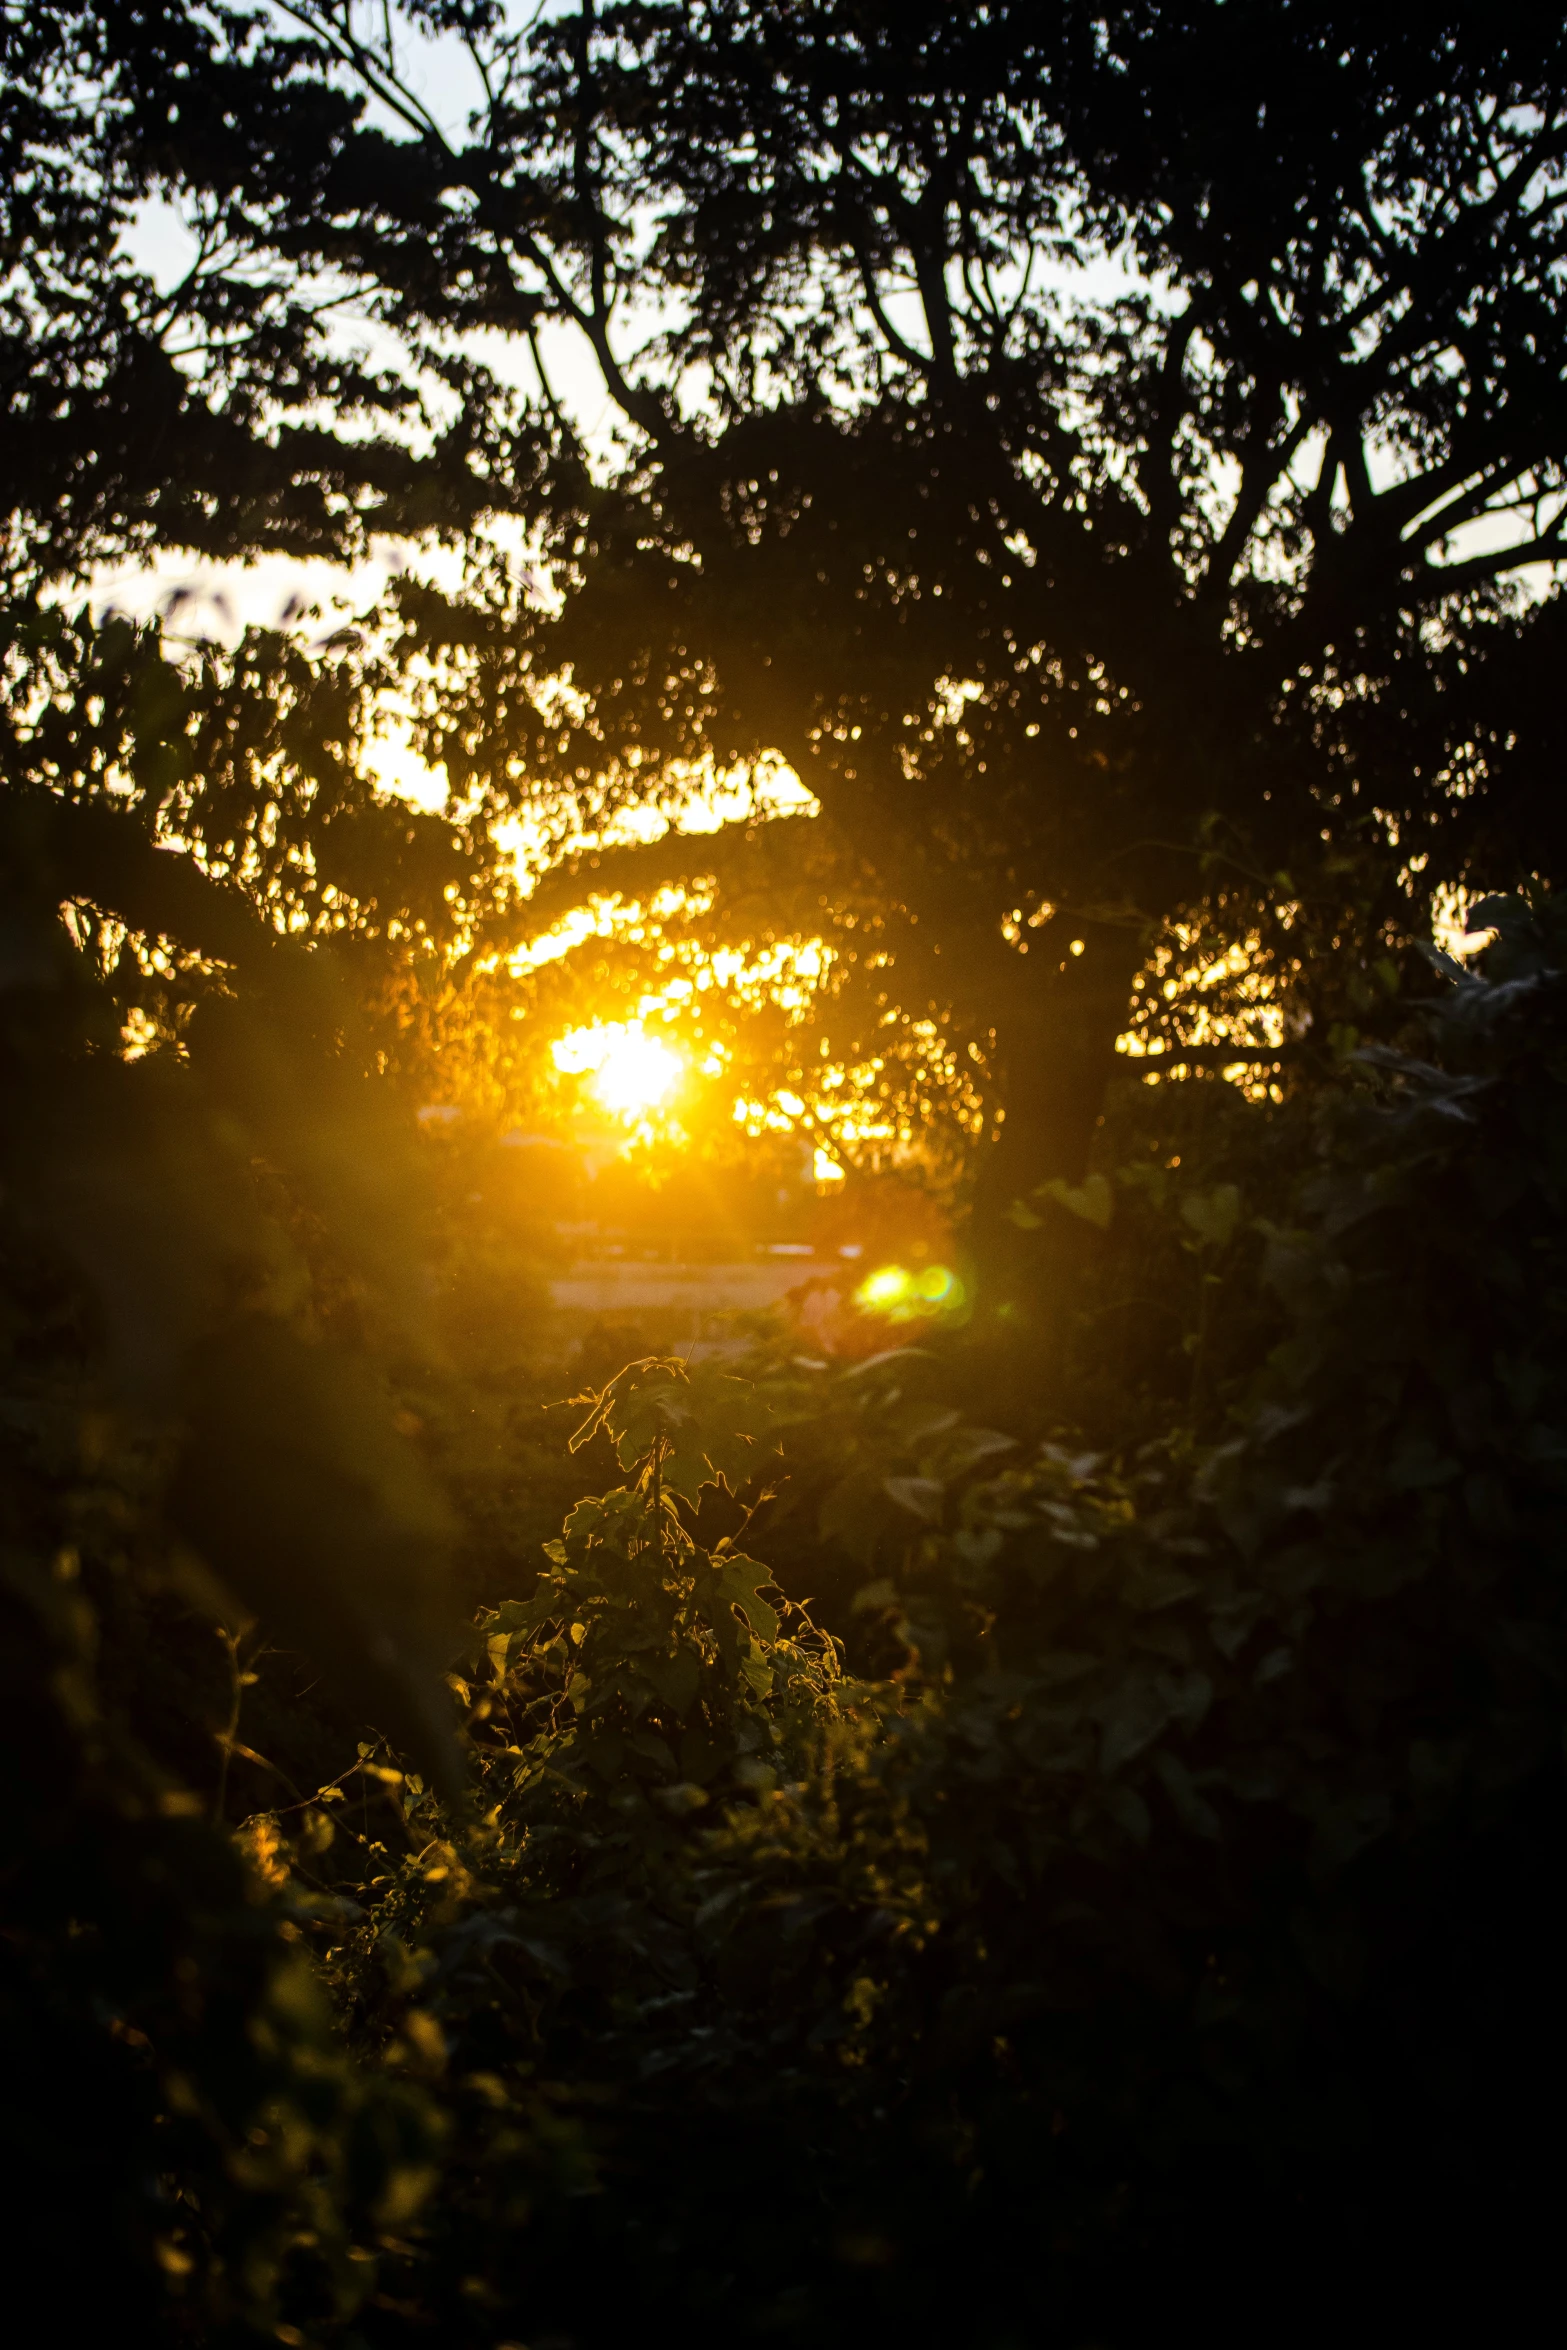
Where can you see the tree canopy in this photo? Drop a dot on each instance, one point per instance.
(1071, 440)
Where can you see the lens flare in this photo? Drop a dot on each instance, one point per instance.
(884, 1289)
(902, 1296)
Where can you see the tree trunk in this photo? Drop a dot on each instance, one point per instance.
(1057, 1048)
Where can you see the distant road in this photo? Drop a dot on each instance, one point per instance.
(614, 1285)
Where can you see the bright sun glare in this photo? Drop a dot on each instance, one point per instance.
(632, 1071)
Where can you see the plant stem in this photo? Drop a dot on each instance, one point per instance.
(227, 1736)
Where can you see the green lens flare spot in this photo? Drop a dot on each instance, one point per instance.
(903, 1296)
(884, 1289)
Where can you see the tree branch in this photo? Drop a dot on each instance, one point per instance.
(890, 335)
(1444, 578)
(1258, 480)
(1164, 496)
(384, 84)
(104, 855)
(639, 869)
(642, 406)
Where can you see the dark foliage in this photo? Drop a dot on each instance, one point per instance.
(1163, 1903)
(1181, 1919)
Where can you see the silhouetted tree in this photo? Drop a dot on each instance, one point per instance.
(1054, 432)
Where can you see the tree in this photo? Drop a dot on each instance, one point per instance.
(1050, 432)
(220, 412)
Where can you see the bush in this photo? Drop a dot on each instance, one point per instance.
(1180, 1916)
(904, 1873)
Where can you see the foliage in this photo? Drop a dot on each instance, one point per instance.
(209, 1255)
(665, 1651)
(1172, 1866)
(1180, 1909)
(253, 761)
(175, 2094)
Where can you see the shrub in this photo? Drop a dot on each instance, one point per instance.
(1181, 1915)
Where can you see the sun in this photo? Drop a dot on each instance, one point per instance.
(636, 1074)
(632, 1071)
